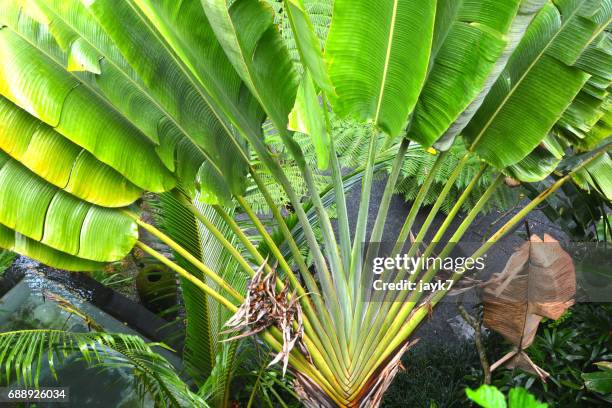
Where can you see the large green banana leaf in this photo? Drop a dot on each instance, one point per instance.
(526, 12)
(535, 88)
(475, 38)
(189, 76)
(577, 126)
(74, 169)
(74, 30)
(153, 110)
(39, 210)
(85, 79)
(378, 54)
(255, 48)
(20, 244)
(36, 83)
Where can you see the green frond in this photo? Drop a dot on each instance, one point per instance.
(204, 317)
(180, 224)
(217, 386)
(22, 354)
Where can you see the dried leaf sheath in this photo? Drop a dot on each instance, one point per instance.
(371, 395)
(264, 308)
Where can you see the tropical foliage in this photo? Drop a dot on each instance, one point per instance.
(487, 396)
(154, 375)
(6, 260)
(103, 100)
(601, 381)
(577, 342)
(569, 349)
(351, 144)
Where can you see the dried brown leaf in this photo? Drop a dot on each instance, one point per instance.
(538, 281)
(263, 308)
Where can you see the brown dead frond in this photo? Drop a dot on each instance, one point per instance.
(264, 308)
(311, 394)
(511, 182)
(538, 281)
(372, 394)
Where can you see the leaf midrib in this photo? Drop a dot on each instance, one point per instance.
(248, 70)
(387, 59)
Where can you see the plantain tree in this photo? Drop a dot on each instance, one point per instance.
(103, 100)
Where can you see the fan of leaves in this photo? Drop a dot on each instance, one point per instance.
(351, 139)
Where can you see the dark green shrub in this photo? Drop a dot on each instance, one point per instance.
(566, 349)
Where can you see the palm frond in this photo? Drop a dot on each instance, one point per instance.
(218, 384)
(180, 224)
(22, 354)
(6, 260)
(203, 350)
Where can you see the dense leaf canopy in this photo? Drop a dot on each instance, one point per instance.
(103, 100)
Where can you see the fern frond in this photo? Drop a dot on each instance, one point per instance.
(320, 12)
(418, 164)
(351, 140)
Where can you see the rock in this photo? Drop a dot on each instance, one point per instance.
(46, 313)
(461, 328)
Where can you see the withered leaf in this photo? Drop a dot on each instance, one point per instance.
(73, 310)
(264, 308)
(539, 280)
(370, 396)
